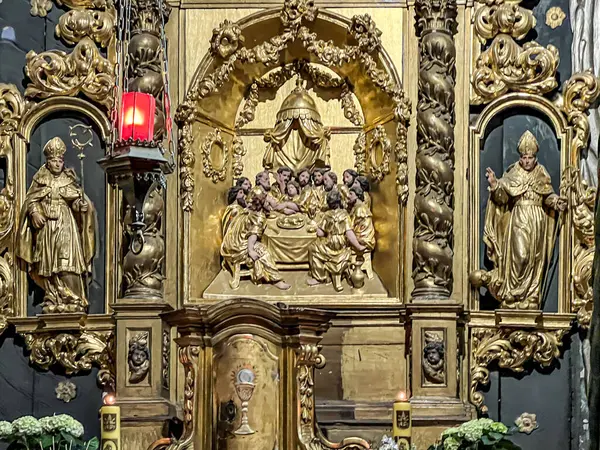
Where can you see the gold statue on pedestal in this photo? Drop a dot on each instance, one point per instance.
(519, 230)
(57, 233)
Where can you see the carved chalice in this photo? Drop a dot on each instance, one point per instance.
(244, 387)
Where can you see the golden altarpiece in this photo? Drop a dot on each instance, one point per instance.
(318, 247)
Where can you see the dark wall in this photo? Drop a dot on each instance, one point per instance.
(25, 390)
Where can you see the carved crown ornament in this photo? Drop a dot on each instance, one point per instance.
(228, 49)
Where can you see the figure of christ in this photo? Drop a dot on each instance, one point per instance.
(519, 230)
(282, 178)
(311, 197)
(242, 245)
(272, 203)
(329, 256)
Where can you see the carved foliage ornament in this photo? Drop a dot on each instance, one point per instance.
(506, 66)
(509, 349)
(75, 353)
(84, 70)
(579, 92)
(269, 53)
(80, 23)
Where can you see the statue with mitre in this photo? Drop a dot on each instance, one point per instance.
(519, 230)
(57, 233)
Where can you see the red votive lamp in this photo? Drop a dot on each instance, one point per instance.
(136, 120)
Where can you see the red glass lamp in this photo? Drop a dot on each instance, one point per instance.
(136, 118)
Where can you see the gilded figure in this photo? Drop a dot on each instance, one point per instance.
(433, 358)
(311, 195)
(242, 246)
(348, 179)
(57, 233)
(520, 230)
(329, 256)
(362, 225)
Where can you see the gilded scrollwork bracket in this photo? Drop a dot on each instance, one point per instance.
(510, 348)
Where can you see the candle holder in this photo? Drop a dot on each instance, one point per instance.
(244, 387)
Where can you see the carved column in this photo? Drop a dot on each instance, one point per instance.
(434, 197)
(144, 341)
(434, 322)
(143, 271)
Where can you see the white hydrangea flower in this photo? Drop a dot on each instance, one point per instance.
(27, 426)
(6, 429)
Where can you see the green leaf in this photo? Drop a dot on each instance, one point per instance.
(93, 444)
(46, 440)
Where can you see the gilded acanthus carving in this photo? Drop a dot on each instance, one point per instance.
(379, 139)
(188, 357)
(6, 290)
(292, 16)
(226, 39)
(579, 92)
(434, 196)
(75, 353)
(77, 24)
(215, 170)
(84, 70)
(360, 153)
(509, 349)
(504, 65)
(40, 8)
(166, 359)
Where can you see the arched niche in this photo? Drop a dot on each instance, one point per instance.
(213, 101)
(554, 138)
(72, 119)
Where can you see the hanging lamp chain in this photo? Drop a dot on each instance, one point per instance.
(166, 87)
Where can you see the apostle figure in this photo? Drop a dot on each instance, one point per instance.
(348, 179)
(519, 230)
(329, 256)
(57, 233)
(311, 197)
(236, 205)
(242, 246)
(282, 178)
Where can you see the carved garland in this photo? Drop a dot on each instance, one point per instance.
(434, 197)
(510, 349)
(75, 353)
(210, 171)
(506, 66)
(239, 151)
(227, 41)
(379, 170)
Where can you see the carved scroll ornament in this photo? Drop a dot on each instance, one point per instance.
(505, 65)
(268, 53)
(510, 350)
(84, 70)
(215, 170)
(75, 353)
(379, 169)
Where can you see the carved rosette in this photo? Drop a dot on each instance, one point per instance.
(433, 238)
(504, 65)
(75, 353)
(293, 15)
(510, 349)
